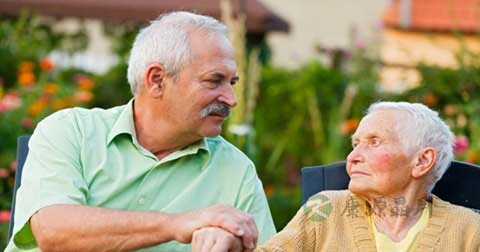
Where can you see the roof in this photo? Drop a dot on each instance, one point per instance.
(259, 18)
(434, 15)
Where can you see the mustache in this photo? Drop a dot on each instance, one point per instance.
(221, 109)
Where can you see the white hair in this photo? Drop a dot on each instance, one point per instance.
(166, 41)
(422, 128)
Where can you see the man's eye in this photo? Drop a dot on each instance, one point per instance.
(216, 81)
(375, 142)
(213, 83)
(354, 145)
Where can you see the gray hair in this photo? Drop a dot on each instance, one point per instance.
(165, 41)
(422, 128)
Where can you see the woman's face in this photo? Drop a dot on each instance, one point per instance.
(378, 165)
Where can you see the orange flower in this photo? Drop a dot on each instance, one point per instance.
(36, 108)
(83, 96)
(25, 66)
(46, 65)
(473, 157)
(349, 126)
(269, 190)
(85, 83)
(430, 99)
(50, 88)
(58, 104)
(450, 109)
(68, 102)
(13, 166)
(26, 78)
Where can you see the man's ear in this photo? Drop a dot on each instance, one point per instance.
(424, 162)
(155, 78)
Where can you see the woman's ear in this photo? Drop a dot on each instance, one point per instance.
(154, 83)
(424, 162)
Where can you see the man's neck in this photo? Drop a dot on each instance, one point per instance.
(157, 135)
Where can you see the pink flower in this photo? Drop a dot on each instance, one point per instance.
(10, 101)
(460, 145)
(4, 216)
(4, 173)
(360, 44)
(27, 122)
(13, 166)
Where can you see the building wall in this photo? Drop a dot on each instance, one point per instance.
(328, 23)
(402, 50)
(97, 57)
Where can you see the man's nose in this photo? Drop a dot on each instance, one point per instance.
(228, 96)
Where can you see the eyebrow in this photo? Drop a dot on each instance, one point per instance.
(368, 136)
(221, 76)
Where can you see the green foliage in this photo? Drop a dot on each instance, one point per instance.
(32, 87)
(300, 121)
(455, 94)
(113, 88)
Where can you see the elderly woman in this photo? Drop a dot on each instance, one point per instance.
(400, 150)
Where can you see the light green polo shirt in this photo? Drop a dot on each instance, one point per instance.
(92, 157)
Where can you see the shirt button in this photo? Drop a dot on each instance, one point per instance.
(141, 201)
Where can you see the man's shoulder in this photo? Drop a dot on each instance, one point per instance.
(81, 117)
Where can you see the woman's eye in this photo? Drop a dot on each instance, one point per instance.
(375, 142)
(354, 145)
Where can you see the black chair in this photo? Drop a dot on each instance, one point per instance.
(459, 184)
(22, 151)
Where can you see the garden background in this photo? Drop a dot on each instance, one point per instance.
(287, 118)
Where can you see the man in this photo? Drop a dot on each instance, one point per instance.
(150, 173)
(400, 150)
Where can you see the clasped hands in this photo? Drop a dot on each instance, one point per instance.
(220, 228)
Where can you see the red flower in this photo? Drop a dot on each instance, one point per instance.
(27, 122)
(4, 216)
(46, 65)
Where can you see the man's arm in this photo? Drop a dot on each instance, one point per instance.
(85, 228)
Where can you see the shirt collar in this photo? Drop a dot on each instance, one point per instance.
(125, 125)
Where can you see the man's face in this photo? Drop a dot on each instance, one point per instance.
(378, 165)
(201, 95)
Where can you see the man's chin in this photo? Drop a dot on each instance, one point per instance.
(213, 132)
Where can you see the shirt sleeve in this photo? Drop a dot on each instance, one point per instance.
(252, 200)
(52, 173)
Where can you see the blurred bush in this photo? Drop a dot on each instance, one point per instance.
(32, 87)
(303, 116)
(455, 94)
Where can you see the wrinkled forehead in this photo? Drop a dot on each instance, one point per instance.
(383, 123)
(204, 43)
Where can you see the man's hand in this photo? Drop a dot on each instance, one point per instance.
(213, 239)
(226, 217)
